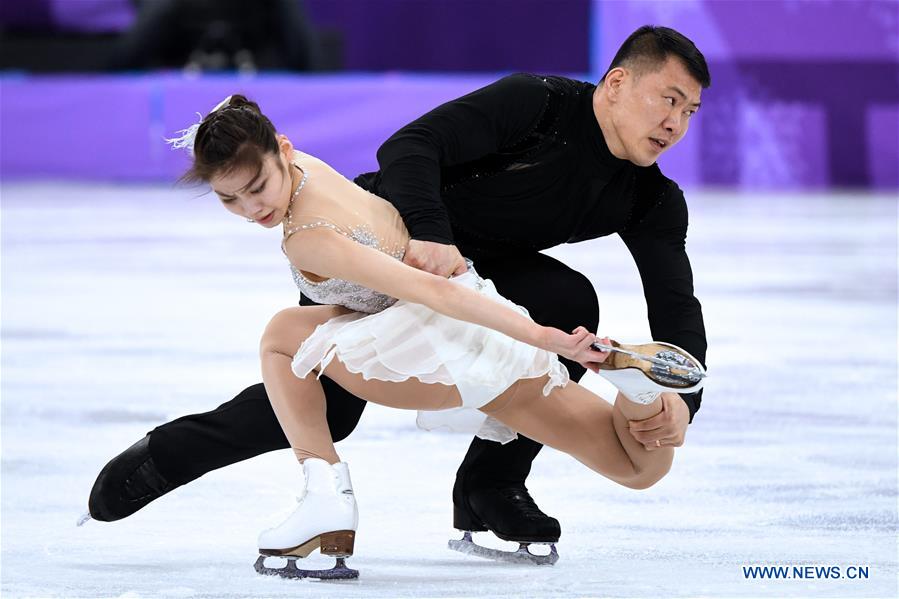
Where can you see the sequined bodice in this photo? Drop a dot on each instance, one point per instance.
(349, 210)
(346, 293)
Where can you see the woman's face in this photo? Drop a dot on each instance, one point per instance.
(263, 198)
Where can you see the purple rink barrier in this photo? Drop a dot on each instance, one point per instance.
(112, 127)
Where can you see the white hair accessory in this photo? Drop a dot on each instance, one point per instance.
(189, 135)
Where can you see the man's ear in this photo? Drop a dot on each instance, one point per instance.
(614, 81)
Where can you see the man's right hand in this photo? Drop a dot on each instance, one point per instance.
(436, 258)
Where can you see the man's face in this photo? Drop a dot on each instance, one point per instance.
(652, 111)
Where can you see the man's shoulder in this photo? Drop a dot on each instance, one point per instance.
(671, 197)
(549, 83)
(653, 182)
(657, 199)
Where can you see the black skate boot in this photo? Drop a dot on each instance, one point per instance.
(126, 484)
(484, 501)
(510, 513)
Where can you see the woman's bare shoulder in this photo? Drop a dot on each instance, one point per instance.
(303, 160)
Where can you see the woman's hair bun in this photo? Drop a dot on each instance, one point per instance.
(234, 135)
(241, 101)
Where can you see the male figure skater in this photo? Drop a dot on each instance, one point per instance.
(521, 165)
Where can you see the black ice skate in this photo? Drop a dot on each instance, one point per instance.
(510, 513)
(126, 484)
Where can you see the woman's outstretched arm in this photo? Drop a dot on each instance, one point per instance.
(327, 253)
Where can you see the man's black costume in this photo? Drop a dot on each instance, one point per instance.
(504, 172)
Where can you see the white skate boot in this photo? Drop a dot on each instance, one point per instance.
(642, 372)
(326, 518)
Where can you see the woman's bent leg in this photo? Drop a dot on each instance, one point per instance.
(299, 404)
(582, 424)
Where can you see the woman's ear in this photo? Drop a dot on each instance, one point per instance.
(285, 146)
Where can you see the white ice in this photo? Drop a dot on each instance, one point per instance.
(126, 306)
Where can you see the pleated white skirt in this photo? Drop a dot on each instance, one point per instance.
(410, 340)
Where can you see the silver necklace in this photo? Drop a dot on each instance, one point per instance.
(292, 197)
(295, 193)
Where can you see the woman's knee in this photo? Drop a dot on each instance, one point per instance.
(278, 331)
(648, 477)
(290, 327)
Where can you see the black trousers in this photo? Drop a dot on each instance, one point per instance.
(554, 294)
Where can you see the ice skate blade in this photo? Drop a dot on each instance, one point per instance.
(340, 571)
(85, 517)
(335, 544)
(667, 366)
(467, 546)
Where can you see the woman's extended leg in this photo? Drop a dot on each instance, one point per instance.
(582, 424)
(570, 419)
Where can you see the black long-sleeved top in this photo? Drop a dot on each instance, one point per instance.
(522, 165)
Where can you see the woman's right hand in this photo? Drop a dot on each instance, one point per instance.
(577, 346)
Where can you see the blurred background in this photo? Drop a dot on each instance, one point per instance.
(805, 93)
(128, 301)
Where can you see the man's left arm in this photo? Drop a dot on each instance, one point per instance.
(658, 245)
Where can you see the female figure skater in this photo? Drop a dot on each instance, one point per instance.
(401, 337)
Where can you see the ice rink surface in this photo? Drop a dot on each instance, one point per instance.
(124, 307)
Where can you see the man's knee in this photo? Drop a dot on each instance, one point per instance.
(580, 300)
(571, 302)
(554, 294)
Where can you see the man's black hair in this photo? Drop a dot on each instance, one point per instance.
(649, 47)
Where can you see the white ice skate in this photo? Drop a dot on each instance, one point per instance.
(326, 518)
(642, 372)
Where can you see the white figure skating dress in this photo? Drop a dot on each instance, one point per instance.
(392, 340)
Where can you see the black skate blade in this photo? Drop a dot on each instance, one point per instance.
(523, 556)
(340, 571)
